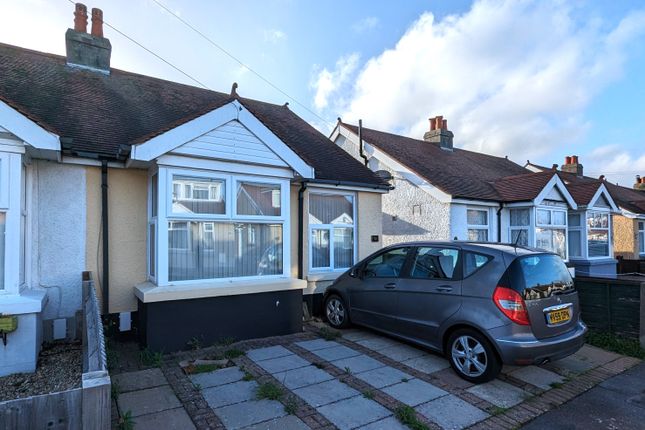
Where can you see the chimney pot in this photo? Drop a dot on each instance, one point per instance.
(432, 124)
(567, 160)
(97, 22)
(574, 159)
(80, 18)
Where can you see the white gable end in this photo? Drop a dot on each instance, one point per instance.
(231, 141)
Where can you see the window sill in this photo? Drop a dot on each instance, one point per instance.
(27, 302)
(149, 292)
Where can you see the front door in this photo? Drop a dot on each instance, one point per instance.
(430, 294)
(373, 299)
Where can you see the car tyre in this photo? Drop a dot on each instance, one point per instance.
(336, 311)
(472, 356)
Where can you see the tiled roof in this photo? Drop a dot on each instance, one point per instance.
(627, 198)
(460, 173)
(522, 187)
(105, 114)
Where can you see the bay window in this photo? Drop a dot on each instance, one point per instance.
(576, 228)
(331, 231)
(477, 220)
(641, 237)
(598, 234)
(218, 226)
(551, 230)
(520, 223)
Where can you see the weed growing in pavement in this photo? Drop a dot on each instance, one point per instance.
(496, 410)
(556, 384)
(329, 334)
(269, 391)
(233, 353)
(405, 380)
(248, 377)
(318, 365)
(225, 341)
(194, 343)
(348, 370)
(149, 358)
(115, 390)
(198, 387)
(368, 394)
(126, 421)
(406, 415)
(203, 368)
(290, 405)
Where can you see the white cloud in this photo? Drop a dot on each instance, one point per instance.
(328, 83)
(365, 24)
(616, 163)
(274, 36)
(512, 77)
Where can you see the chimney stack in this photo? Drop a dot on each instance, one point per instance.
(640, 183)
(88, 51)
(571, 165)
(439, 133)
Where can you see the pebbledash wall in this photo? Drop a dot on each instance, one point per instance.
(625, 236)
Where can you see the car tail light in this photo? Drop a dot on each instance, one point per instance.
(511, 304)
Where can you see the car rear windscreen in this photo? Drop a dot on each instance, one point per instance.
(539, 275)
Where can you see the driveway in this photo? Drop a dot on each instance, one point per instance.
(314, 380)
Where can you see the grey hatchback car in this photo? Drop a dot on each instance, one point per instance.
(480, 304)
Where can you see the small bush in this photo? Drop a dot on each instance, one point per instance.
(617, 344)
(269, 391)
(406, 415)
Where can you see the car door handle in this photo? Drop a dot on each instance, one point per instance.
(444, 289)
(390, 286)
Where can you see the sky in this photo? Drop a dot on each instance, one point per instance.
(531, 80)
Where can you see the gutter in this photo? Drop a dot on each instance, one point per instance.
(349, 184)
(104, 226)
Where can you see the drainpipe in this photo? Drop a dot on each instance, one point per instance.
(499, 223)
(104, 226)
(360, 141)
(301, 241)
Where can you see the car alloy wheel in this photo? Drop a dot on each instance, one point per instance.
(335, 311)
(469, 356)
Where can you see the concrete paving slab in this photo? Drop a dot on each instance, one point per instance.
(302, 377)
(354, 412)
(596, 355)
(499, 393)
(229, 394)
(357, 334)
(402, 352)
(358, 363)
(383, 376)
(427, 363)
(336, 353)
(268, 353)
(450, 412)
(248, 413)
(325, 393)
(289, 422)
(573, 365)
(316, 344)
(148, 401)
(389, 423)
(377, 343)
(537, 376)
(414, 392)
(282, 364)
(448, 376)
(171, 419)
(140, 380)
(217, 377)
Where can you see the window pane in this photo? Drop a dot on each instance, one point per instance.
(343, 247)
(477, 235)
(474, 262)
(574, 220)
(559, 218)
(575, 243)
(477, 217)
(598, 243)
(553, 240)
(597, 220)
(434, 263)
(641, 241)
(386, 265)
(2, 231)
(331, 209)
(258, 199)
(520, 237)
(154, 198)
(520, 217)
(198, 195)
(210, 250)
(320, 248)
(543, 217)
(152, 250)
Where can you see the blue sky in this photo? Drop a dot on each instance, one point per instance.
(530, 79)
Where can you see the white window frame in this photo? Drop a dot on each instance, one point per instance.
(11, 172)
(641, 237)
(153, 175)
(553, 226)
(582, 229)
(610, 247)
(479, 226)
(330, 230)
(530, 229)
(165, 215)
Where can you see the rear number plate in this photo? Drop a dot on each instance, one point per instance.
(558, 317)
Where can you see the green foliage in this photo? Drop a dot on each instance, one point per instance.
(115, 390)
(198, 387)
(368, 394)
(203, 368)
(290, 405)
(614, 343)
(194, 343)
(496, 410)
(126, 421)
(110, 355)
(149, 358)
(348, 370)
(225, 341)
(233, 353)
(269, 391)
(318, 364)
(407, 415)
(248, 377)
(405, 380)
(329, 334)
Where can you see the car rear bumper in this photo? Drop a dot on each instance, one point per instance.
(523, 349)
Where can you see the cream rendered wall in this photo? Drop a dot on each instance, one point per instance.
(625, 237)
(127, 223)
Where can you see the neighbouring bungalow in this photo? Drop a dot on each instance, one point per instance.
(201, 215)
(442, 193)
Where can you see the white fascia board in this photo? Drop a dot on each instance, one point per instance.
(474, 202)
(629, 214)
(400, 168)
(173, 138)
(274, 143)
(553, 183)
(602, 190)
(335, 133)
(27, 130)
(341, 187)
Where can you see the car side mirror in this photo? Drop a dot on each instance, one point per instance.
(354, 272)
